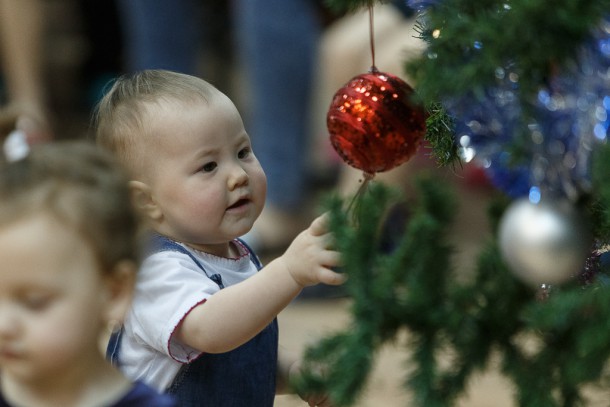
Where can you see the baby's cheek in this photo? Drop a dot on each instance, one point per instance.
(260, 185)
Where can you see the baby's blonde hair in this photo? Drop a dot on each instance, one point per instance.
(119, 120)
(82, 186)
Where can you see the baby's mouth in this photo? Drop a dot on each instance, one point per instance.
(239, 203)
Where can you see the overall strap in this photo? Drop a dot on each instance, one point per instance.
(160, 243)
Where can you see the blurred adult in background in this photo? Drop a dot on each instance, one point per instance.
(161, 34)
(22, 26)
(277, 46)
(187, 36)
(55, 57)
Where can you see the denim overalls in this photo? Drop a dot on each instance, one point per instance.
(242, 377)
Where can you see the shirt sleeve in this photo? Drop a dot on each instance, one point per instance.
(169, 286)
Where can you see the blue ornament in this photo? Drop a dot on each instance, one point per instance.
(512, 179)
(485, 124)
(568, 116)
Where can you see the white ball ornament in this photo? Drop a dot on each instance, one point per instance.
(544, 243)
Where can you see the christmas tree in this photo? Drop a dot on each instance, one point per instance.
(522, 87)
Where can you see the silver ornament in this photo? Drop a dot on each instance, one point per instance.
(544, 243)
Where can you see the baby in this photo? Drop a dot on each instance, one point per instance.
(203, 322)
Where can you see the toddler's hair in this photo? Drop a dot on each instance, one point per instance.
(120, 117)
(82, 186)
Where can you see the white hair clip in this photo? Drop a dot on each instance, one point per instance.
(15, 146)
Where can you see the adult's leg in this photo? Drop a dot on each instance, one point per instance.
(161, 34)
(22, 26)
(277, 43)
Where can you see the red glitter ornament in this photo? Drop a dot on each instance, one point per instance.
(373, 123)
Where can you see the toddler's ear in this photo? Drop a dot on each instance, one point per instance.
(119, 290)
(142, 199)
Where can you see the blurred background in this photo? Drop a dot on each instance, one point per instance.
(71, 49)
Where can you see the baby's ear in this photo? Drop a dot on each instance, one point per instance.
(142, 199)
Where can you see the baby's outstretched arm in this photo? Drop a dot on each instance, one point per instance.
(237, 313)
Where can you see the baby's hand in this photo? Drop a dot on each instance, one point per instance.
(309, 258)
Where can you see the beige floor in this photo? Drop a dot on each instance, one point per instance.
(305, 322)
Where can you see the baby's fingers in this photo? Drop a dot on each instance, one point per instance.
(319, 226)
(329, 277)
(330, 258)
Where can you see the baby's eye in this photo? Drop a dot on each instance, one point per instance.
(244, 153)
(209, 167)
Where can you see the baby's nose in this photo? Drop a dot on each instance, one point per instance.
(238, 177)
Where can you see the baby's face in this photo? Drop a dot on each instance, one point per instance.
(51, 301)
(206, 181)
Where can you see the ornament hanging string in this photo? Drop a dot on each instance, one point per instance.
(372, 37)
(353, 203)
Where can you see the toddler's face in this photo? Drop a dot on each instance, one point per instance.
(206, 181)
(51, 300)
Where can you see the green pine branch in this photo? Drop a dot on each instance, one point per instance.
(440, 135)
(600, 198)
(548, 349)
(489, 35)
(384, 287)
